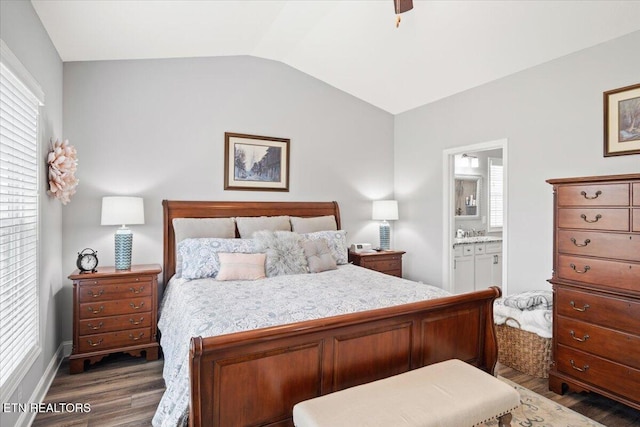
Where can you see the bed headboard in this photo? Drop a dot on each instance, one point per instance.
(202, 209)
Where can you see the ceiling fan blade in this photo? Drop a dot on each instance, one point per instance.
(403, 5)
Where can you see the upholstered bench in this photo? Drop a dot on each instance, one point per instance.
(451, 393)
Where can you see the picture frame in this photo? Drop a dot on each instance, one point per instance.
(256, 163)
(622, 121)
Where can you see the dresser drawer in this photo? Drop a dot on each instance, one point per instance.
(615, 313)
(600, 244)
(636, 194)
(593, 195)
(615, 377)
(618, 346)
(99, 342)
(95, 309)
(612, 274)
(636, 220)
(383, 265)
(114, 323)
(103, 290)
(594, 219)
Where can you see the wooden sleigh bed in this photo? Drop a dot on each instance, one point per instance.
(290, 363)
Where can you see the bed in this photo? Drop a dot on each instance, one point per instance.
(250, 374)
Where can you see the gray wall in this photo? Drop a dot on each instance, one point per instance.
(22, 31)
(552, 117)
(155, 128)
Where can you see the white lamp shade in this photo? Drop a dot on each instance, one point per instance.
(118, 210)
(385, 210)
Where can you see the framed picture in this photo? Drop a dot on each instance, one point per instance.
(259, 163)
(622, 121)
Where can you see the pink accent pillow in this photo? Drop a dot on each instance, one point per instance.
(238, 266)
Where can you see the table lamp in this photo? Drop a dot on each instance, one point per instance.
(118, 210)
(385, 210)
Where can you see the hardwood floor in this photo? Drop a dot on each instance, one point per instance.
(125, 391)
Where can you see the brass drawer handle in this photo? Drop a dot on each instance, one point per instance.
(91, 309)
(590, 221)
(136, 338)
(583, 339)
(91, 294)
(94, 328)
(137, 291)
(584, 194)
(94, 344)
(574, 268)
(584, 307)
(134, 322)
(136, 307)
(580, 245)
(573, 365)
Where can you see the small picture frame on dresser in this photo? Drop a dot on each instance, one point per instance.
(622, 121)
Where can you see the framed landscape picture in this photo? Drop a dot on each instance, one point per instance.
(255, 162)
(622, 121)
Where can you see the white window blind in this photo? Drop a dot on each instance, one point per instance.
(18, 223)
(496, 189)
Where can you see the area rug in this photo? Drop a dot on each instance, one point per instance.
(538, 411)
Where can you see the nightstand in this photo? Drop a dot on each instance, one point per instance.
(114, 311)
(388, 262)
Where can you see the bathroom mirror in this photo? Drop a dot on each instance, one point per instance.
(467, 190)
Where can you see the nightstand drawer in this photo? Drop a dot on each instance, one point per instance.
(383, 265)
(103, 290)
(114, 323)
(92, 310)
(114, 339)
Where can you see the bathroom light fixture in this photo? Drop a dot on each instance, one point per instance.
(122, 211)
(385, 210)
(470, 161)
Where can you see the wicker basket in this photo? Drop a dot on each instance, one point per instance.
(524, 351)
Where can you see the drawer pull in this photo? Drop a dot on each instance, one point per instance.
(584, 307)
(136, 307)
(584, 194)
(91, 309)
(94, 344)
(574, 268)
(590, 221)
(136, 338)
(137, 291)
(580, 245)
(583, 339)
(136, 322)
(94, 328)
(96, 295)
(573, 365)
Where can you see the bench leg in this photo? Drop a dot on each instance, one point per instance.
(505, 420)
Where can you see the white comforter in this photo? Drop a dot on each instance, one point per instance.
(206, 307)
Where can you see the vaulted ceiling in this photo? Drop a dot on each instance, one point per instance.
(440, 48)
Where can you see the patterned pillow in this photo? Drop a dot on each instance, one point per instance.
(318, 256)
(284, 252)
(337, 242)
(241, 266)
(200, 256)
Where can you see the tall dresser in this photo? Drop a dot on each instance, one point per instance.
(596, 283)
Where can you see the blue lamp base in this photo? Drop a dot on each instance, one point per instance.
(123, 245)
(385, 236)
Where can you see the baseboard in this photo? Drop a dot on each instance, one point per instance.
(40, 392)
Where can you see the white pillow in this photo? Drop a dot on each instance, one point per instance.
(247, 225)
(337, 242)
(313, 224)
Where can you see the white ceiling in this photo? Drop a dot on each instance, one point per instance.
(441, 47)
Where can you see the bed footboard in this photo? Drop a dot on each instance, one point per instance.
(254, 378)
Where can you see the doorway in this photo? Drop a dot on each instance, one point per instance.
(453, 219)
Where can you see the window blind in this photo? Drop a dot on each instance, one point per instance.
(19, 340)
(496, 189)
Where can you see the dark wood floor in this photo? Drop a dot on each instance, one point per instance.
(125, 391)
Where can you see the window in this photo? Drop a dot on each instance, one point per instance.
(19, 341)
(496, 189)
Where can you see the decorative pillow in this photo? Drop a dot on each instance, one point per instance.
(200, 256)
(248, 225)
(186, 228)
(284, 252)
(318, 256)
(237, 266)
(313, 224)
(337, 242)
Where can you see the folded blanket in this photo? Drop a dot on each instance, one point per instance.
(531, 300)
(537, 321)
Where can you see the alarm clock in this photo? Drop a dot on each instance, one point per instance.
(87, 261)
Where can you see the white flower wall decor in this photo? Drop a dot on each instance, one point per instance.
(62, 162)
